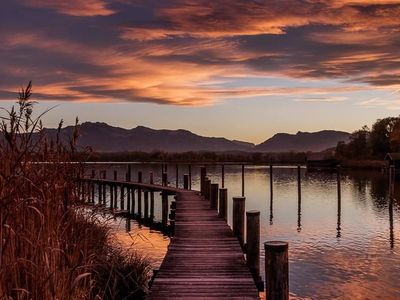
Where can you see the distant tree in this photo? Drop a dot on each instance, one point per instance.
(359, 146)
(381, 133)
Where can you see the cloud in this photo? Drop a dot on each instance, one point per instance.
(78, 8)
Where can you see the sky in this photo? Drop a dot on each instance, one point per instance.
(239, 69)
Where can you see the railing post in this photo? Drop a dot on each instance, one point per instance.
(165, 179)
(122, 205)
(214, 196)
(186, 181)
(207, 189)
(104, 186)
(253, 245)
(151, 197)
(139, 195)
(238, 218)
(276, 270)
(146, 205)
(203, 174)
(129, 173)
(92, 187)
(223, 203)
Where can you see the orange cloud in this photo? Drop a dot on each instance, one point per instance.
(79, 8)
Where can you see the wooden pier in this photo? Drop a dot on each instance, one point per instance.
(204, 259)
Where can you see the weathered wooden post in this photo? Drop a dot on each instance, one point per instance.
(238, 218)
(111, 196)
(104, 186)
(253, 245)
(164, 209)
(223, 176)
(276, 270)
(176, 176)
(172, 215)
(133, 206)
(151, 197)
(299, 181)
(122, 204)
(271, 187)
(186, 181)
(242, 180)
(165, 179)
(298, 199)
(139, 195)
(146, 205)
(339, 204)
(92, 185)
(129, 173)
(203, 174)
(223, 203)
(190, 176)
(115, 190)
(100, 191)
(214, 196)
(207, 189)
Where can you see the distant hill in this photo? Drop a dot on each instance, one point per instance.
(105, 138)
(303, 141)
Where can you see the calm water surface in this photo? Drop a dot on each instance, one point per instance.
(351, 253)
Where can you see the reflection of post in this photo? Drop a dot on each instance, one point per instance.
(339, 205)
(242, 180)
(391, 222)
(128, 225)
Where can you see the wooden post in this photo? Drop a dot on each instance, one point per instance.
(129, 173)
(207, 189)
(238, 218)
(115, 196)
(151, 197)
(100, 197)
(271, 187)
(164, 209)
(253, 244)
(104, 186)
(276, 270)
(111, 196)
(214, 196)
(185, 181)
(299, 181)
(242, 180)
(392, 177)
(339, 205)
(298, 199)
(176, 176)
(92, 185)
(190, 176)
(223, 203)
(165, 179)
(203, 174)
(128, 199)
(146, 205)
(133, 201)
(122, 205)
(223, 176)
(139, 196)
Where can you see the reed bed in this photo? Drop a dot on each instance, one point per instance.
(50, 247)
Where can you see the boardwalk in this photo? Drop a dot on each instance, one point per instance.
(204, 260)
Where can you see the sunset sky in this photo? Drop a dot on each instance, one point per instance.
(239, 69)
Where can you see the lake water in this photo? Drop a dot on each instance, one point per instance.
(351, 253)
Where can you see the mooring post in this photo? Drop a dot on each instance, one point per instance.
(186, 181)
(253, 245)
(223, 203)
(203, 174)
(139, 195)
(151, 197)
(271, 187)
(165, 179)
(176, 176)
(146, 205)
(238, 218)
(207, 189)
(392, 177)
(223, 175)
(276, 270)
(299, 181)
(164, 209)
(214, 196)
(190, 176)
(242, 180)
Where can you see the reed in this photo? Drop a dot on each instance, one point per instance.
(50, 246)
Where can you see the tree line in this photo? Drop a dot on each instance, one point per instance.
(372, 143)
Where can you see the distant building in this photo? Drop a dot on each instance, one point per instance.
(393, 159)
(321, 160)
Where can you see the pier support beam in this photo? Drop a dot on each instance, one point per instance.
(238, 218)
(276, 270)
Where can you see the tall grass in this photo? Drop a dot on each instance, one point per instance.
(50, 247)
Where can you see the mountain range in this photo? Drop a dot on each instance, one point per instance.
(105, 138)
